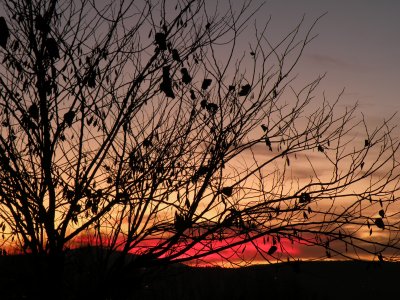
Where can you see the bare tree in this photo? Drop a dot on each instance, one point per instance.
(138, 127)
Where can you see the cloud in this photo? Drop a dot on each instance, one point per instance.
(330, 62)
(299, 167)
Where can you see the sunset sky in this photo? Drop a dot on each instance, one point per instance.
(358, 46)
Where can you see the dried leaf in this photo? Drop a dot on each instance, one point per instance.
(4, 32)
(41, 24)
(268, 143)
(203, 103)
(206, 83)
(304, 198)
(227, 191)
(166, 84)
(160, 40)
(186, 79)
(212, 108)
(91, 78)
(245, 90)
(69, 118)
(33, 111)
(179, 222)
(379, 223)
(52, 48)
(175, 55)
(272, 250)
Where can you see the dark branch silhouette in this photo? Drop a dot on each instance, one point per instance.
(134, 127)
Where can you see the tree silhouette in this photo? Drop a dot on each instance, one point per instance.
(138, 127)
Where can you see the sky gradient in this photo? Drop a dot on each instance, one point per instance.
(358, 47)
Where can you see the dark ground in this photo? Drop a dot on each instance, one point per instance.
(311, 280)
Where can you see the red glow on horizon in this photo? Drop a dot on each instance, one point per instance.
(255, 251)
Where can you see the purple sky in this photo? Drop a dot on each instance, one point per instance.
(358, 46)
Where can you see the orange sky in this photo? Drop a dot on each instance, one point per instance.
(358, 47)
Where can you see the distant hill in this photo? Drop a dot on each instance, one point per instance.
(305, 280)
(294, 281)
(87, 272)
